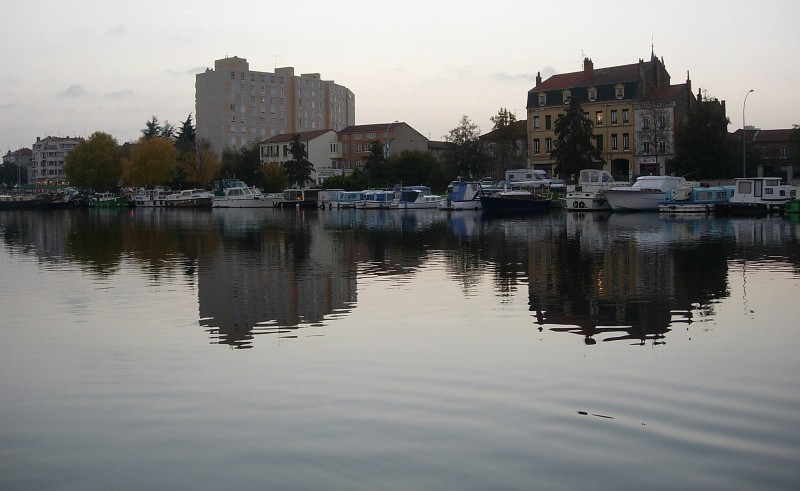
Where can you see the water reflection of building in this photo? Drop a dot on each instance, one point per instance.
(627, 276)
(272, 276)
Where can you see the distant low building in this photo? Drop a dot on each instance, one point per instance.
(772, 149)
(22, 158)
(515, 158)
(393, 137)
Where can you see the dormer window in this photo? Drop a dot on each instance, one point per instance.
(542, 98)
(592, 92)
(619, 91)
(566, 96)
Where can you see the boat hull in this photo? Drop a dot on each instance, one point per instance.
(497, 203)
(580, 201)
(633, 200)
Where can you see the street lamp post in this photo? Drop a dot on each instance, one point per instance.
(387, 141)
(744, 140)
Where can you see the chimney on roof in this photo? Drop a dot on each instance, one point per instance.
(588, 66)
(538, 78)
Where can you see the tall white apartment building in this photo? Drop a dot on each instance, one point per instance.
(235, 106)
(47, 161)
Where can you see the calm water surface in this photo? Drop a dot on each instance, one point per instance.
(367, 350)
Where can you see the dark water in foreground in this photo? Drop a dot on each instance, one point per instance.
(367, 350)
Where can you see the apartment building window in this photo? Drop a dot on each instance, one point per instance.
(598, 118)
(613, 116)
(764, 152)
(784, 152)
(542, 99)
(548, 145)
(233, 108)
(548, 122)
(645, 147)
(645, 124)
(233, 75)
(625, 116)
(626, 141)
(242, 75)
(370, 136)
(613, 141)
(536, 122)
(662, 147)
(586, 116)
(537, 147)
(233, 118)
(598, 142)
(358, 136)
(662, 121)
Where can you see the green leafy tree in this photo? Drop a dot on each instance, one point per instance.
(504, 137)
(186, 137)
(463, 152)
(275, 179)
(299, 169)
(94, 163)
(574, 149)
(794, 145)
(154, 128)
(701, 146)
(11, 174)
(244, 164)
(152, 162)
(379, 170)
(414, 167)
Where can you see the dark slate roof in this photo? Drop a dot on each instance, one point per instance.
(598, 76)
(772, 136)
(521, 127)
(287, 137)
(668, 93)
(363, 128)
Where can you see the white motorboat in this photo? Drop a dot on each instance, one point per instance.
(758, 196)
(233, 193)
(589, 192)
(375, 199)
(190, 198)
(464, 196)
(645, 194)
(416, 197)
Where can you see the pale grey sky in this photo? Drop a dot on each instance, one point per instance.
(72, 68)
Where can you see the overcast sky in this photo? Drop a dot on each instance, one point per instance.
(72, 68)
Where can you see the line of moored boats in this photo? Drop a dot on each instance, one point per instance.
(596, 190)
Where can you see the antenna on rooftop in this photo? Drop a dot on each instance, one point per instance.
(275, 64)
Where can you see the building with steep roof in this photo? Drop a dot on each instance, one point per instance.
(21, 158)
(235, 106)
(322, 149)
(395, 137)
(610, 97)
(513, 158)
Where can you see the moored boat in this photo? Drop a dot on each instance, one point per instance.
(644, 194)
(190, 198)
(300, 198)
(375, 199)
(147, 198)
(233, 193)
(346, 199)
(519, 197)
(415, 197)
(466, 195)
(695, 198)
(758, 196)
(23, 201)
(108, 200)
(589, 192)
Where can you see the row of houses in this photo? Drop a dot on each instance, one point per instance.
(635, 109)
